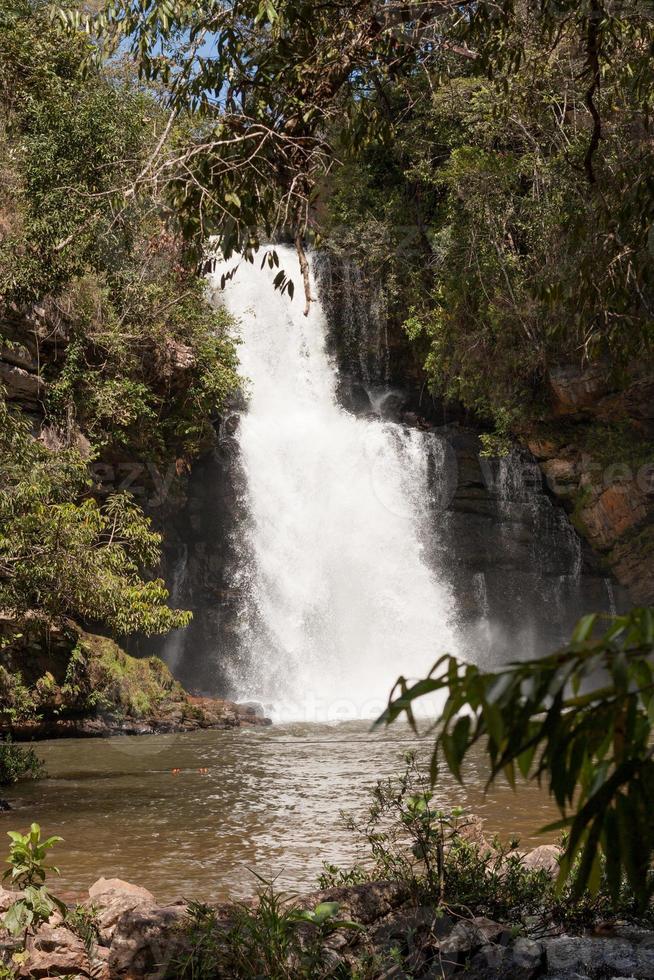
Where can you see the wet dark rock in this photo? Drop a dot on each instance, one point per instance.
(252, 712)
(353, 396)
(470, 935)
(526, 959)
(521, 961)
(571, 956)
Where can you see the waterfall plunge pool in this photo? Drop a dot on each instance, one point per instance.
(188, 815)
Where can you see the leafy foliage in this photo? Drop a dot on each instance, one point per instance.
(479, 219)
(148, 364)
(68, 556)
(99, 296)
(276, 939)
(444, 859)
(278, 89)
(17, 763)
(578, 720)
(437, 853)
(27, 872)
(131, 351)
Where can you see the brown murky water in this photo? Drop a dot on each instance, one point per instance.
(188, 815)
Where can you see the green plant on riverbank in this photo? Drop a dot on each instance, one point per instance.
(446, 863)
(409, 838)
(27, 872)
(276, 939)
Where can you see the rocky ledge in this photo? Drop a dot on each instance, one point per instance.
(76, 684)
(187, 715)
(135, 938)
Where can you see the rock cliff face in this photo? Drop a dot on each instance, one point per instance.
(594, 448)
(199, 559)
(598, 458)
(20, 367)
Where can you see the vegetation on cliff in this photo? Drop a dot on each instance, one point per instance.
(112, 359)
(79, 675)
(64, 554)
(477, 215)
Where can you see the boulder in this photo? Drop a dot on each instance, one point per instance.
(632, 563)
(54, 439)
(20, 385)
(525, 960)
(8, 898)
(20, 356)
(366, 903)
(469, 935)
(55, 951)
(489, 961)
(175, 360)
(575, 389)
(115, 897)
(145, 941)
(542, 447)
(562, 475)
(471, 829)
(544, 858)
(619, 508)
(415, 931)
(521, 961)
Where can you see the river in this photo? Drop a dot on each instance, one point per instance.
(192, 816)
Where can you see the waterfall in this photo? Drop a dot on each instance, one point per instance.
(338, 597)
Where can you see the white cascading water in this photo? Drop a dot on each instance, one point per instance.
(338, 599)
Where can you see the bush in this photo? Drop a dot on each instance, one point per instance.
(276, 939)
(70, 556)
(18, 763)
(578, 720)
(410, 839)
(432, 851)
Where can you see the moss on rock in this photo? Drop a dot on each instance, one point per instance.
(68, 681)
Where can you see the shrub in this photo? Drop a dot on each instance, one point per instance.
(28, 871)
(409, 839)
(17, 763)
(275, 939)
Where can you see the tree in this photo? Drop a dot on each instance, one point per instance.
(265, 81)
(580, 721)
(64, 554)
(99, 299)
